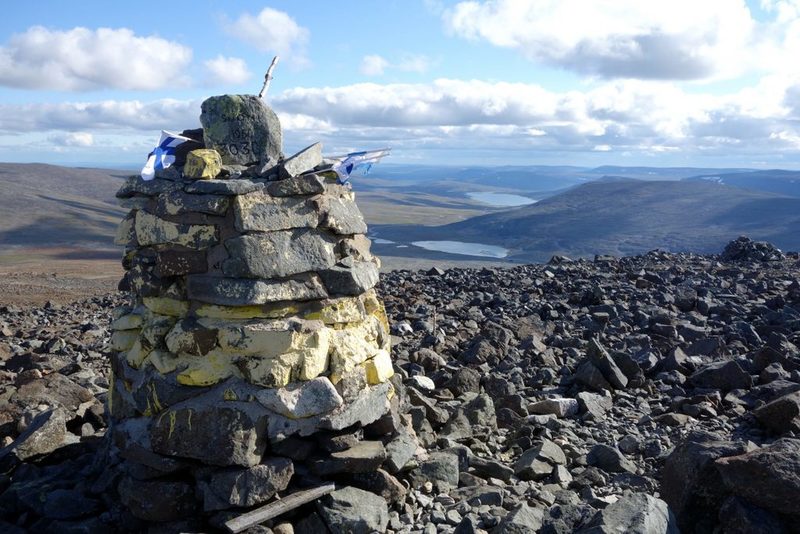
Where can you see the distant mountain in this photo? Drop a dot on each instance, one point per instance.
(47, 205)
(623, 217)
(773, 181)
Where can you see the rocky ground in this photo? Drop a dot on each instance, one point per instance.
(654, 393)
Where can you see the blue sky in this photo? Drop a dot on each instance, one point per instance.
(615, 82)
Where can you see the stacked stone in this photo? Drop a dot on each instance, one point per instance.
(254, 338)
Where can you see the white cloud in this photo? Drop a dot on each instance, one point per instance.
(73, 139)
(119, 115)
(680, 39)
(227, 70)
(82, 59)
(373, 65)
(623, 117)
(273, 32)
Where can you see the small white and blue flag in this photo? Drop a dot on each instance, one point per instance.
(343, 166)
(162, 155)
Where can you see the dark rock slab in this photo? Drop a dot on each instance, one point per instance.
(226, 488)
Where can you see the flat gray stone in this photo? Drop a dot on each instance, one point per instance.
(134, 185)
(307, 184)
(342, 216)
(523, 519)
(234, 487)
(368, 406)
(214, 432)
(302, 399)
(44, 435)
(609, 459)
(246, 292)
(561, 407)
(634, 512)
(241, 186)
(350, 280)
(441, 469)
(157, 500)
(260, 212)
(363, 457)
(354, 511)
(278, 254)
(303, 161)
(242, 128)
(180, 202)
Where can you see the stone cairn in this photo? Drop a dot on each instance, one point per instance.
(253, 359)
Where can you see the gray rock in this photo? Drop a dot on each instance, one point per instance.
(591, 377)
(691, 484)
(768, 477)
(595, 405)
(399, 451)
(202, 428)
(560, 407)
(302, 399)
(157, 500)
(307, 184)
(724, 376)
(134, 185)
(241, 128)
(781, 415)
(278, 254)
(342, 216)
(368, 406)
(225, 488)
(44, 434)
(363, 457)
(173, 262)
(180, 202)
(303, 161)
(606, 364)
(523, 519)
(350, 280)
(737, 516)
(537, 462)
(353, 511)
(609, 459)
(484, 467)
(441, 469)
(245, 292)
(634, 512)
(259, 212)
(233, 187)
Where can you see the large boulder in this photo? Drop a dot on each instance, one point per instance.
(634, 512)
(354, 511)
(242, 129)
(768, 477)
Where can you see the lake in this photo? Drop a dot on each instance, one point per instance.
(466, 249)
(501, 200)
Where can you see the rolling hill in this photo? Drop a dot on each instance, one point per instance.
(623, 216)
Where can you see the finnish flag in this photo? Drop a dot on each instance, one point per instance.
(345, 165)
(162, 155)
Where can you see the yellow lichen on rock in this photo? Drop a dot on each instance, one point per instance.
(314, 359)
(166, 306)
(202, 164)
(208, 370)
(271, 372)
(231, 313)
(341, 310)
(379, 368)
(351, 346)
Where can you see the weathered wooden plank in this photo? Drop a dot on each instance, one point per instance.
(276, 508)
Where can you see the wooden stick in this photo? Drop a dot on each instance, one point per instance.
(268, 77)
(276, 508)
